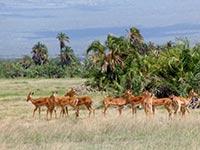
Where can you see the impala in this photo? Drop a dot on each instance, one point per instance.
(81, 100)
(114, 101)
(63, 102)
(39, 102)
(181, 103)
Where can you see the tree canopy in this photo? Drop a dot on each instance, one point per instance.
(130, 63)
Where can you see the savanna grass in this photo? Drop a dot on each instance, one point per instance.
(18, 130)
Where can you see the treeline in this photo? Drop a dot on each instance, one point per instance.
(121, 62)
(52, 69)
(38, 64)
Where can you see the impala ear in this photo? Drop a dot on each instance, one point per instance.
(74, 89)
(54, 92)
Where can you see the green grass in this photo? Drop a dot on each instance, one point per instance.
(18, 130)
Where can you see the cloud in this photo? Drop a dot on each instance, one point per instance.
(47, 4)
(50, 3)
(27, 21)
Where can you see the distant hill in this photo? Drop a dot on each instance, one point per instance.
(80, 38)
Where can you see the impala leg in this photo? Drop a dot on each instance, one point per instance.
(153, 110)
(51, 111)
(187, 110)
(183, 110)
(39, 111)
(175, 110)
(133, 109)
(89, 109)
(66, 109)
(148, 110)
(77, 111)
(62, 113)
(169, 111)
(50, 114)
(55, 113)
(179, 108)
(120, 109)
(93, 110)
(145, 109)
(47, 113)
(105, 109)
(34, 111)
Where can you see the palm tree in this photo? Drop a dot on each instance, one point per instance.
(62, 37)
(108, 61)
(67, 56)
(116, 47)
(97, 51)
(135, 36)
(26, 61)
(66, 53)
(40, 53)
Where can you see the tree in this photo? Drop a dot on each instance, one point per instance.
(116, 49)
(97, 51)
(26, 61)
(137, 41)
(66, 52)
(40, 53)
(62, 37)
(67, 56)
(130, 63)
(135, 36)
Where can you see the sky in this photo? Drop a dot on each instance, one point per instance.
(25, 22)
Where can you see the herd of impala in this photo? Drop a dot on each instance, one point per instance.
(173, 104)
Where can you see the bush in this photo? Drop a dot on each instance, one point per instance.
(52, 69)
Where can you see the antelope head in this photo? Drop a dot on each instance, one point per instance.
(127, 94)
(147, 94)
(71, 93)
(192, 93)
(29, 97)
(54, 93)
(172, 97)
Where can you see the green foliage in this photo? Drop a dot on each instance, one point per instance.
(52, 69)
(67, 56)
(39, 65)
(129, 63)
(124, 62)
(62, 37)
(40, 53)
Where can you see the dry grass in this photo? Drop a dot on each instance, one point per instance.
(18, 130)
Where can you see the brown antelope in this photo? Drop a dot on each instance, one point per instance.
(166, 102)
(181, 103)
(146, 100)
(133, 100)
(82, 100)
(148, 103)
(63, 102)
(114, 101)
(39, 102)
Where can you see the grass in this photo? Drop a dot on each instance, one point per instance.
(18, 130)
